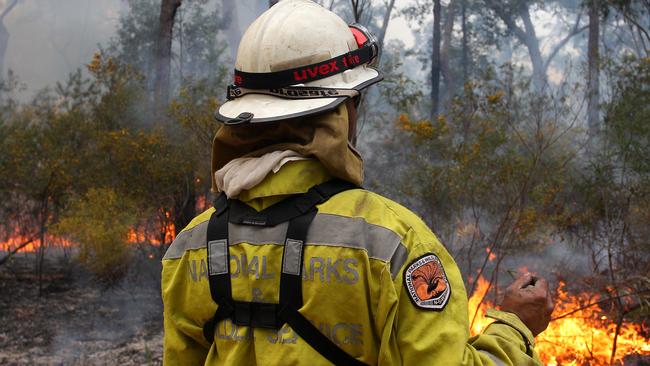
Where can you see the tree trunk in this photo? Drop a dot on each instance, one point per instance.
(358, 7)
(526, 36)
(233, 33)
(4, 36)
(593, 80)
(41, 255)
(450, 87)
(465, 63)
(532, 43)
(185, 204)
(435, 61)
(384, 25)
(4, 42)
(465, 52)
(168, 9)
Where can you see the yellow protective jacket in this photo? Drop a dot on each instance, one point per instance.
(376, 281)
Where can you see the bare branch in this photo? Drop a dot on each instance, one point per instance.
(603, 301)
(8, 9)
(638, 26)
(384, 26)
(507, 18)
(574, 31)
(15, 250)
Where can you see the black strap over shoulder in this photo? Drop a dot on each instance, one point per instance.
(283, 211)
(300, 212)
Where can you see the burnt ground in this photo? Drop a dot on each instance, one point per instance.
(75, 320)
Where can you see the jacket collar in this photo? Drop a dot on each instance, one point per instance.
(295, 177)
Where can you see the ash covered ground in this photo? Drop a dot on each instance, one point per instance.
(75, 320)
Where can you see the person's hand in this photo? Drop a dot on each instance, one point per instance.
(530, 299)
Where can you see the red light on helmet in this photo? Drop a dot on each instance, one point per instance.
(364, 38)
(359, 36)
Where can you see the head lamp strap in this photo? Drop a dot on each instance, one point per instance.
(295, 92)
(305, 74)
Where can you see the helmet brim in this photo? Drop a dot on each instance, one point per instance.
(268, 108)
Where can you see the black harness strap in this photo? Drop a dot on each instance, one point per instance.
(317, 340)
(218, 270)
(292, 258)
(300, 212)
(291, 294)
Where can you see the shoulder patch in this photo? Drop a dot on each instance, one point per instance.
(426, 283)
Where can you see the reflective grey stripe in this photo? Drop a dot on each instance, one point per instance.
(257, 234)
(332, 230)
(193, 238)
(326, 229)
(218, 257)
(292, 253)
(494, 358)
(398, 260)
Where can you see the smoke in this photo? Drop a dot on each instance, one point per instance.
(121, 323)
(50, 39)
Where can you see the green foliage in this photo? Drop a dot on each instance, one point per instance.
(87, 135)
(196, 48)
(496, 163)
(627, 116)
(100, 222)
(397, 88)
(192, 112)
(613, 195)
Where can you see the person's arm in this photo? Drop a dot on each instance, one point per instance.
(183, 340)
(432, 329)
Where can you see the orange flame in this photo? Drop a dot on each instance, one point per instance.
(141, 235)
(134, 236)
(17, 240)
(491, 255)
(585, 337)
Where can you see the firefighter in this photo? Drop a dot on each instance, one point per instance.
(296, 264)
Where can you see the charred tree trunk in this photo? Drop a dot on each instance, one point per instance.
(435, 60)
(40, 260)
(185, 204)
(444, 54)
(593, 80)
(168, 9)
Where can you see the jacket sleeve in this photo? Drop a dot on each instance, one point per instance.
(183, 342)
(439, 335)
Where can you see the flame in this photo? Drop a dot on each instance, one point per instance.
(478, 306)
(585, 337)
(491, 255)
(166, 231)
(202, 203)
(142, 235)
(15, 241)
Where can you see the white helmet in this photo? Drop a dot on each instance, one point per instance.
(298, 59)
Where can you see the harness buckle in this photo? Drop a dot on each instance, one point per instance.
(257, 315)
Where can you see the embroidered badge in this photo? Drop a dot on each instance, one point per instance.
(426, 283)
